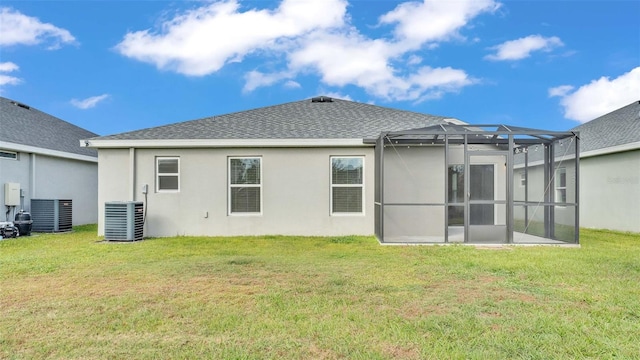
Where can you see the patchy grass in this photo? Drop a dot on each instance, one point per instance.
(69, 295)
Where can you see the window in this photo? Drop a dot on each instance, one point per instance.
(561, 185)
(167, 174)
(523, 179)
(347, 185)
(5, 154)
(245, 185)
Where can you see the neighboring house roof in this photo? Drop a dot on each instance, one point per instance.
(31, 129)
(613, 130)
(317, 118)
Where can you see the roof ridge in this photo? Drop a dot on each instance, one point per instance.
(301, 119)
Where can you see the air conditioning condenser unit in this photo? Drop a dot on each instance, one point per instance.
(123, 220)
(51, 215)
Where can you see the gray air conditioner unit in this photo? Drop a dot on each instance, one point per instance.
(51, 215)
(123, 220)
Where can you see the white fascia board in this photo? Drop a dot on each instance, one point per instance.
(611, 149)
(223, 143)
(455, 121)
(591, 153)
(47, 152)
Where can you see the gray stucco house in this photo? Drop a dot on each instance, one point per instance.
(610, 170)
(330, 167)
(41, 154)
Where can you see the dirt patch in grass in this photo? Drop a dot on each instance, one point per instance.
(394, 351)
(445, 297)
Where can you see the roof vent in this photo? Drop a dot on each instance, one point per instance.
(21, 105)
(321, 99)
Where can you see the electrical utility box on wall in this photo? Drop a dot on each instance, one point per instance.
(12, 194)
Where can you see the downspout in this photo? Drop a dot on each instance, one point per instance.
(132, 174)
(32, 185)
(577, 190)
(381, 189)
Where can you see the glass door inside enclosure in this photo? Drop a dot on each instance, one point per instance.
(486, 203)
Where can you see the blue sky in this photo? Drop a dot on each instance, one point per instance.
(115, 66)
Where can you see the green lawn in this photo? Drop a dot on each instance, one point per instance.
(72, 296)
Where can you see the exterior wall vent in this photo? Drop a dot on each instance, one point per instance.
(21, 105)
(51, 215)
(321, 99)
(123, 220)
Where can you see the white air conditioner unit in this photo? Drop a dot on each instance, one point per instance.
(51, 215)
(123, 220)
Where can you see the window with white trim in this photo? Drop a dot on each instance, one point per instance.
(11, 155)
(347, 184)
(245, 185)
(168, 174)
(523, 179)
(561, 185)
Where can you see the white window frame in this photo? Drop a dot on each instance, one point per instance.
(332, 185)
(13, 153)
(523, 179)
(158, 175)
(229, 186)
(560, 189)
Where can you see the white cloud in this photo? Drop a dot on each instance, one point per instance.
(434, 83)
(255, 79)
(414, 60)
(366, 63)
(203, 40)
(19, 29)
(598, 97)
(561, 90)
(88, 103)
(6, 79)
(342, 60)
(290, 84)
(8, 67)
(522, 48)
(312, 37)
(9, 80)
(434, 20)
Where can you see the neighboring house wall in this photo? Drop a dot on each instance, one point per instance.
(610, 191)
(536, 186)
(296, 190)
(15, 171)
(47, 177)
(57, 178)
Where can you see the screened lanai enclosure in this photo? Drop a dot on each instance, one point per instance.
(477, 184)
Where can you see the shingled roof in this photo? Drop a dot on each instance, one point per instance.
(24, 125)
(317, 118)
(618, 127)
